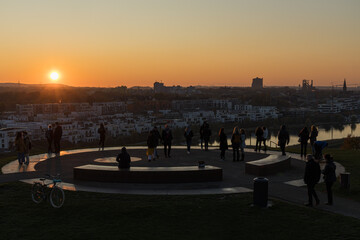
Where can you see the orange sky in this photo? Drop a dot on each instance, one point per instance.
(199, 42)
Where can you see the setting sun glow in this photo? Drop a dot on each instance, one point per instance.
(54, 76)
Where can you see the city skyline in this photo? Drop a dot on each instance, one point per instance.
(208, 43)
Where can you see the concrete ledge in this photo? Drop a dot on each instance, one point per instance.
(268, 166)
(99, 173)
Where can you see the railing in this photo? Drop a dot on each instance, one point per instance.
(271, 142)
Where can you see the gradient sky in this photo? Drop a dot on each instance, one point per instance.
(186, 42)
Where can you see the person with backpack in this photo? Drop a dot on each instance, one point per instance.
(223, 143)
(235, 142)
(49, 135)
(259, 138)
(329, 177)
(123, 159)
(188, 134)
(311, 178)
(167, 138)
(27, 143)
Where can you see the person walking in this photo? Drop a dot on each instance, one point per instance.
(49, 135)
(102, 133)
(123, 159)
(151, 143)
(265, 137)
(27, 144)
(313, 136)
(57, 137)
(283, 138)
(20, 147)
(188, 134)
(259, 137)
(157, 138)
(242, 143)
(235, 142)
(167, 138)
(329, 177)
(311, 178)
(303, 139)
(223, 143)
(206, 135)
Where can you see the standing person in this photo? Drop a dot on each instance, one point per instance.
(123, 159)
(242, 143)
(49, 135)
(311, 178)
(151, 146)
(283, 138)
(259, 137)
(27, 143)
(207, 135)
(20, 147)
(167, 138)
(102, 133)
(57, 137)
(303, 139)
(235, 142)
(157, 138)
(329, 177)
(223, 143)
(202, 134)
(265, 136)
(313, 136)
(188, 134)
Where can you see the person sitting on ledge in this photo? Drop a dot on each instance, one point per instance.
(123, 159)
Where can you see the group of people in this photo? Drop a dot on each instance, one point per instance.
(262, 135)
(23, 147)
(153, 140)
(53, 136)
(312, 177)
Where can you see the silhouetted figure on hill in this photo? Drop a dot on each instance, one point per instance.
(318, 147)
(235, 142)
(206, 135)
(188, 134)
(102, 133)
(283, 138)
(167, 138)
(259, 137)
(303, 139)
(311, 178)
(151, 143)
(202, 135)
(329, 177)
(123, 159)
(265, 136)
(313, 136)
(27, 143)
(57, 137)
(223, 143)
(49, 135)
(157, 138)
(20, 147)
(242, 143)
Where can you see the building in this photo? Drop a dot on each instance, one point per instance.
(257, 83)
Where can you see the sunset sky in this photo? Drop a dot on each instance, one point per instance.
(185, 42)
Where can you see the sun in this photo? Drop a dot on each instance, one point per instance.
(54, 76)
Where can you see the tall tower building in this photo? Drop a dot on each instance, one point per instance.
(257, 83)
(344, 86)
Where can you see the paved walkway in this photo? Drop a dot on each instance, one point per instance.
(287, 186)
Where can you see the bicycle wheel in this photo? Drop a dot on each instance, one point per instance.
(37, 193)
(57, 197)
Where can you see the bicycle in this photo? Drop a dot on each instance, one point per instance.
(40, 191)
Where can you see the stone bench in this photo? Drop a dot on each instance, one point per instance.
(268, 166)
(186, 174)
